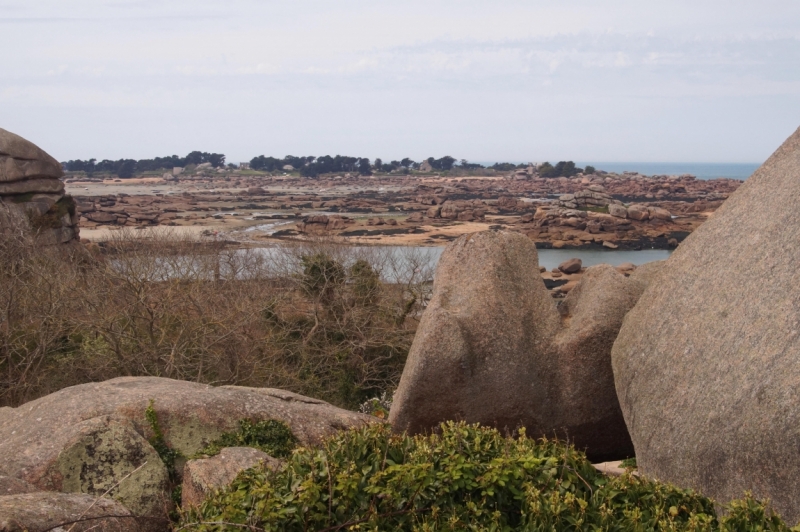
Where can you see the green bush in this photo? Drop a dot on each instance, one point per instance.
(465, 477)
(271, 436)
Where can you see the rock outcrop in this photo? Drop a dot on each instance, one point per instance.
(87, 438)
(707, 365)
(32, 196)
(493, 348)
(204, 475)
(47, 511)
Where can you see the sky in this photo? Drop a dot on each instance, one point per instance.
(506, 80)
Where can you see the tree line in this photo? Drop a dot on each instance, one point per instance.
(311, 166)
(125, 168)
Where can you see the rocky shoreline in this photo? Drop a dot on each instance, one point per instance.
(615, 211)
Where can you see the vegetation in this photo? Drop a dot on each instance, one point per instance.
(318, 319)
(167, 454)
(465, 477)
(125, 168)
(308, 166)
(561, 169)
(271, 436)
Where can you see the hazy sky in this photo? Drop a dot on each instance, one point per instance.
(525, 80)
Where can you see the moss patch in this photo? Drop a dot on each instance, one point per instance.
(167, 454)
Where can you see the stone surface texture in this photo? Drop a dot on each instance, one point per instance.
(204, 475)
(707, 365)
(15, 486)
(32, 199)
(45, 511)
(493, 347)
(86, 438)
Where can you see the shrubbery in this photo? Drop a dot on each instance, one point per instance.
(270, 436)
(327, 321)
(465, 477)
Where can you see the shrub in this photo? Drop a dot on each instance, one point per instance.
(465, 477)
(271, 436)
(319, 319)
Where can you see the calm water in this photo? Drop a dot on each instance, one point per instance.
(551, 258)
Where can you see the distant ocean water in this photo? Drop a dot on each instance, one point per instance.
(700, 170)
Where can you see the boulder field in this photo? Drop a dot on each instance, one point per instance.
(707, 365)
(493, 347)
(32, 197)
(95, 439)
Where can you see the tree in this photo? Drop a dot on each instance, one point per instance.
(322, 276)
(378, 165)
(589, 170)
(547, 170)
(217, 160)
(364, 167)
(126, 168)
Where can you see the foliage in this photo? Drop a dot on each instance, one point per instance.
(126, 168)
(377, 406)
(466, 477)
(444, 164)
(322, 275)
(561, 169)
(313, 166)
(318, 319)
(505, 167)
(629, 463)
(167, 454)
(589, 169)
(271, 436)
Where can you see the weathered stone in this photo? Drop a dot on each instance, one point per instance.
(204, 475)
(626, 267)
(706, 365)
(48, 511)
(335, 224)
(657, 213)
(15, 486)
(85, 438)
(492, 348)
(31, 186)
(449, 211)
(617, 211)
(22, 160)
(637, 212)
(434, 212)
(571, 266)
(101, 217)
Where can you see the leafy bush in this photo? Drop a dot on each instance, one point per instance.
(466, 477)
(271, 436)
